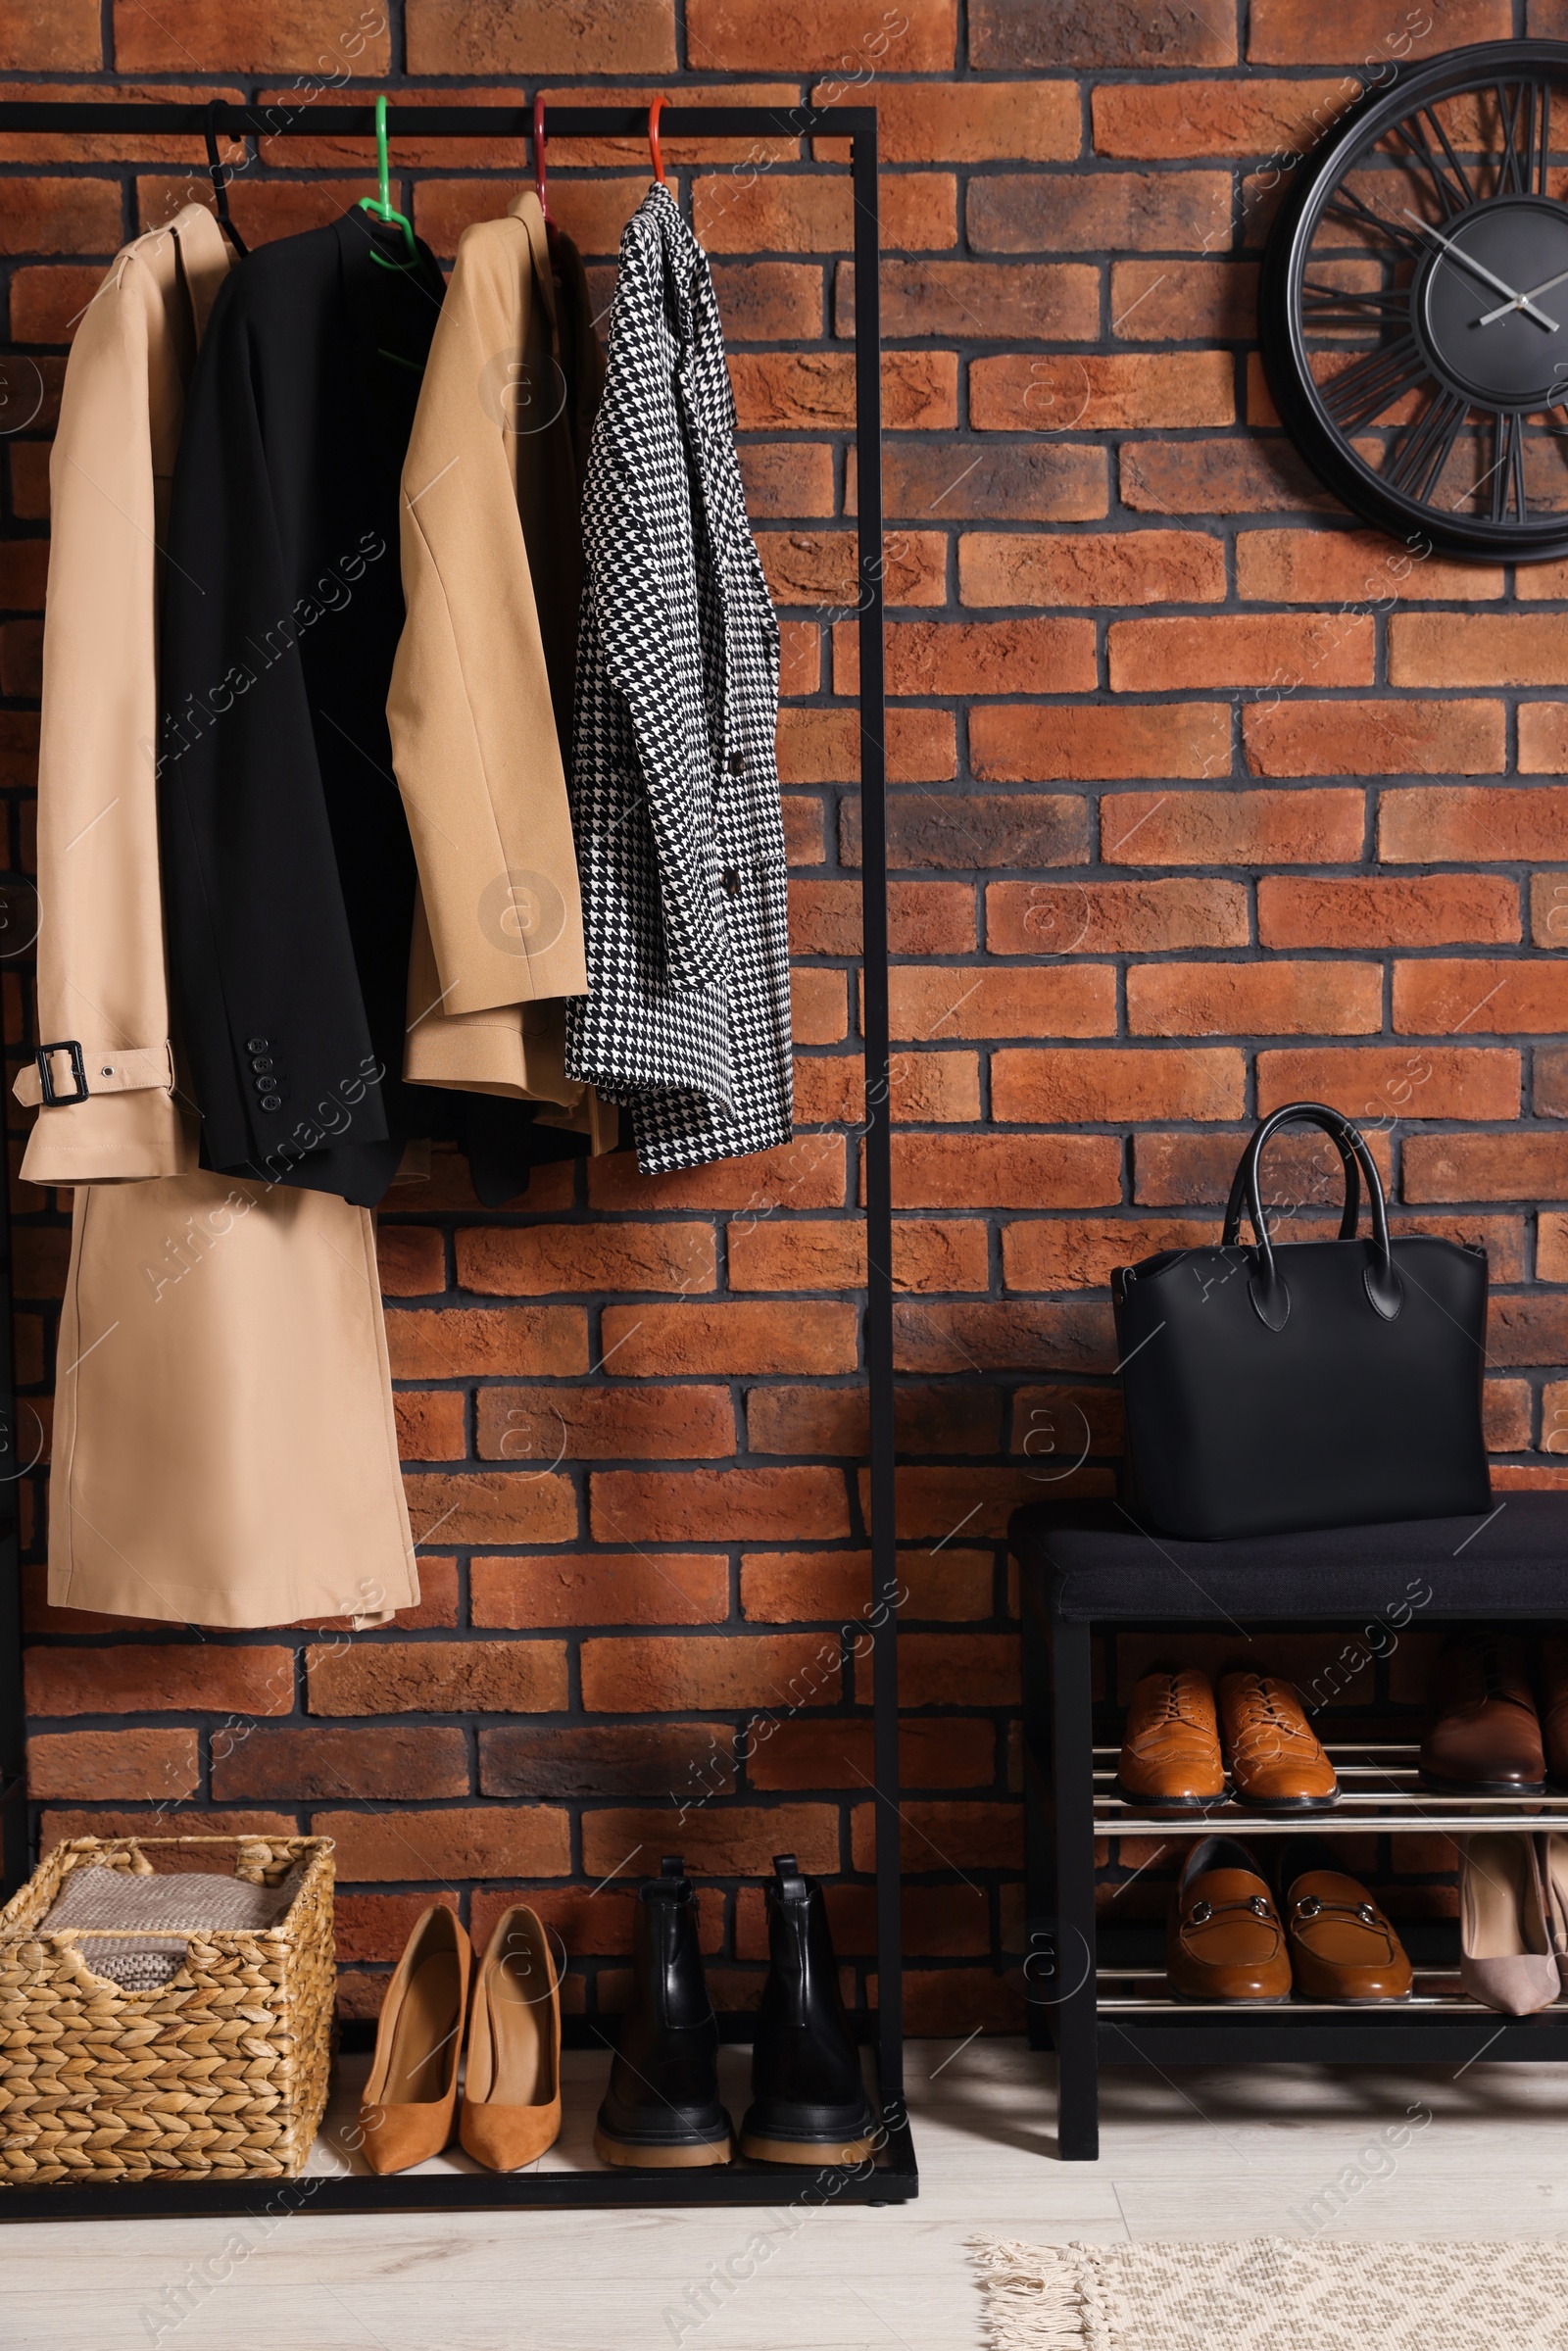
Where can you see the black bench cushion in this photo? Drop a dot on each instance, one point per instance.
(1098, 1563)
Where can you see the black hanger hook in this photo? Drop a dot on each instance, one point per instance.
(219, 171)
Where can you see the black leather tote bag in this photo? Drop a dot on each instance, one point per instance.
(1277, 1388)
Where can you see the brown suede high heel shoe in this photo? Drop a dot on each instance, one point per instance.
(511, 2088)
(406, 2113)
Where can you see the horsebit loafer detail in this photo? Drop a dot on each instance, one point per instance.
(1224, 1940)
(1341, 1948)
(1277, 1764)
(1485, 1735)
(1170, 1758)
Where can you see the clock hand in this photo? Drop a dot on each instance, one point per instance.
(1516, 300)
(1545, 287)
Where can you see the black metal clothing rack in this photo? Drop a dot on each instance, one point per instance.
(894, 2177)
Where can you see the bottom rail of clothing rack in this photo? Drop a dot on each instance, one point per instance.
(893, 2178)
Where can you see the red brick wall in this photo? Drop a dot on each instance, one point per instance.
(1201, 799)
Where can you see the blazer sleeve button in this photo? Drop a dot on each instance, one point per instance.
(256, 1044)
(735, 763)
(731, 881)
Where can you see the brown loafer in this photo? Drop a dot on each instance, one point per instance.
(1276, 1761)
(407, 2112)
(1342, 1948)
(1223, 1940)
(1485, 1735)
(1170, 1757)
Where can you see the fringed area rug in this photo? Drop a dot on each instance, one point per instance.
(1276, 2295)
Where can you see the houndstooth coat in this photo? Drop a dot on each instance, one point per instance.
(674, 786)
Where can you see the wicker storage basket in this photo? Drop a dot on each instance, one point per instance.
(219, 2072)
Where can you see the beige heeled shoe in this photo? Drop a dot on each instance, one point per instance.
(512, 2088)
(406, 2113)
(1555, 1885)
(1506, 1953)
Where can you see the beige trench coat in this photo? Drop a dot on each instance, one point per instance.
(102, 978)
(481, 691)
(224, 1449)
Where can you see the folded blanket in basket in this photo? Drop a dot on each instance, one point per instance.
(169, 1908)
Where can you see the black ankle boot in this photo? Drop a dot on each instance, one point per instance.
(808, 2102)
(662, 2108)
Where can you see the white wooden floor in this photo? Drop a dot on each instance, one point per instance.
(1221, 2154)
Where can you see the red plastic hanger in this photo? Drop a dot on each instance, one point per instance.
(654, 113)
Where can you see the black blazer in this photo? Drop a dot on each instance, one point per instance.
(288, 872)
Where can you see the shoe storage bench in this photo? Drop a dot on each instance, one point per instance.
(1090, 1567)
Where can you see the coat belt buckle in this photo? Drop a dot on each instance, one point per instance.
(46, 1083)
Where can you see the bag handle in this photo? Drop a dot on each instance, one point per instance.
(1267, 1288)
(1231, 1232)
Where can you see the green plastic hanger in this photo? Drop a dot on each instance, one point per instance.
(381, 203)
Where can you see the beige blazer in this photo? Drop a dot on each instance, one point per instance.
(224, 1444)
(480, 702)
(101, 977)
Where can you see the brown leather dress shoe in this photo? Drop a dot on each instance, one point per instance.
(1485, 1735)
(1551, 1675)
(1223, 1940)
(1276, 1761)
(1342, 1948)
(1170, 1757)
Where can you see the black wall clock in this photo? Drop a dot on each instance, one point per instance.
(1414, 304)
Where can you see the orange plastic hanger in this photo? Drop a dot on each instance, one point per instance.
(539, 170)
(539, 156)
(654, 113)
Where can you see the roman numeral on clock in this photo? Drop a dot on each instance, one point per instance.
(1508, 482)
(1445, 174)
(1350, 306)
(1370, 386)
(1419, 456)
(1346, 206)
(1524, 113)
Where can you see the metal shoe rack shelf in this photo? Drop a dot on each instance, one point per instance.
(894, 2177)
(1097, 1994)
